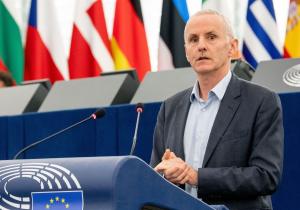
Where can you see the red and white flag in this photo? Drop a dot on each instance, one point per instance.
(90, 52)
(45, 56)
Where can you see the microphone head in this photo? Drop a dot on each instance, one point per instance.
(98, 114)
(139, 107)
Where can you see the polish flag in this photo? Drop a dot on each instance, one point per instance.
(90, 52)
(45, 56)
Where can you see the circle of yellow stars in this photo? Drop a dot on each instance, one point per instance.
(57, 200)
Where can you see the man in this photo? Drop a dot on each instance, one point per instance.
(223, 138)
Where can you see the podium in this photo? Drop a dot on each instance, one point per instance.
(108, 183)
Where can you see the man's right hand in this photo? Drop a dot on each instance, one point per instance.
(168, 155)
(176, 170)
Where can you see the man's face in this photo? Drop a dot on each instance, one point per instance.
(208, 45)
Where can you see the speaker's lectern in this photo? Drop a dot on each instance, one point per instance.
(108, 183)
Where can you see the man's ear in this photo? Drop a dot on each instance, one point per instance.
(234, 48)
(187, 58)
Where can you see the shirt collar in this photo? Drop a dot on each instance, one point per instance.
(218, 90)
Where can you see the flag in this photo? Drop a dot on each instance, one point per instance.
(171, 53)
(261, 40)
(292, 42)
(90, 52)
(57, 200)
(2, 66)
(44, 53)
(11, 48)
(223, 7)
(129, 42)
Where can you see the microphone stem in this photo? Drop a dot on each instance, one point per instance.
(48, 137)
(135, 133)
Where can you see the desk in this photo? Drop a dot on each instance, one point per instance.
(108, 136)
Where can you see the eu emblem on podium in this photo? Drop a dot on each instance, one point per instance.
(57, 200)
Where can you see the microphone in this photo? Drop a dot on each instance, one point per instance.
(139, 109)
(96, 115)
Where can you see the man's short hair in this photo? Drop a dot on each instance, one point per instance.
(227, 24)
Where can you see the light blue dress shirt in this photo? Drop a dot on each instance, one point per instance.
(199, 123)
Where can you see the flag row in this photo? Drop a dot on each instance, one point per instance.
(91, 51)
(41, 53)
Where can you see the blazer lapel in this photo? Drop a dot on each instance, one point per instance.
(228, 107)
(181, 111)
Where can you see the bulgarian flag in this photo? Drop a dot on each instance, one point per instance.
(220, 6)
(292, 42)
(11, 49)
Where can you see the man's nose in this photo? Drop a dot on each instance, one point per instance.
(201, 45)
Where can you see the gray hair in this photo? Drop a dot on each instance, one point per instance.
(227, 24)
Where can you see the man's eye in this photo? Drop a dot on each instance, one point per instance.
(212, 37)
(193, 39)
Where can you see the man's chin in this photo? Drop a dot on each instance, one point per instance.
(203, 69)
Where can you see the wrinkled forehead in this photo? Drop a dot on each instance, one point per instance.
(205, 23)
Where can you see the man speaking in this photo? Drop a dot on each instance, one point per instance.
(222, 138)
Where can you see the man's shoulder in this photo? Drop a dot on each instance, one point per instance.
(253, 88)
(182, 95)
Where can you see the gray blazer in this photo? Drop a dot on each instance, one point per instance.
(242, 165)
